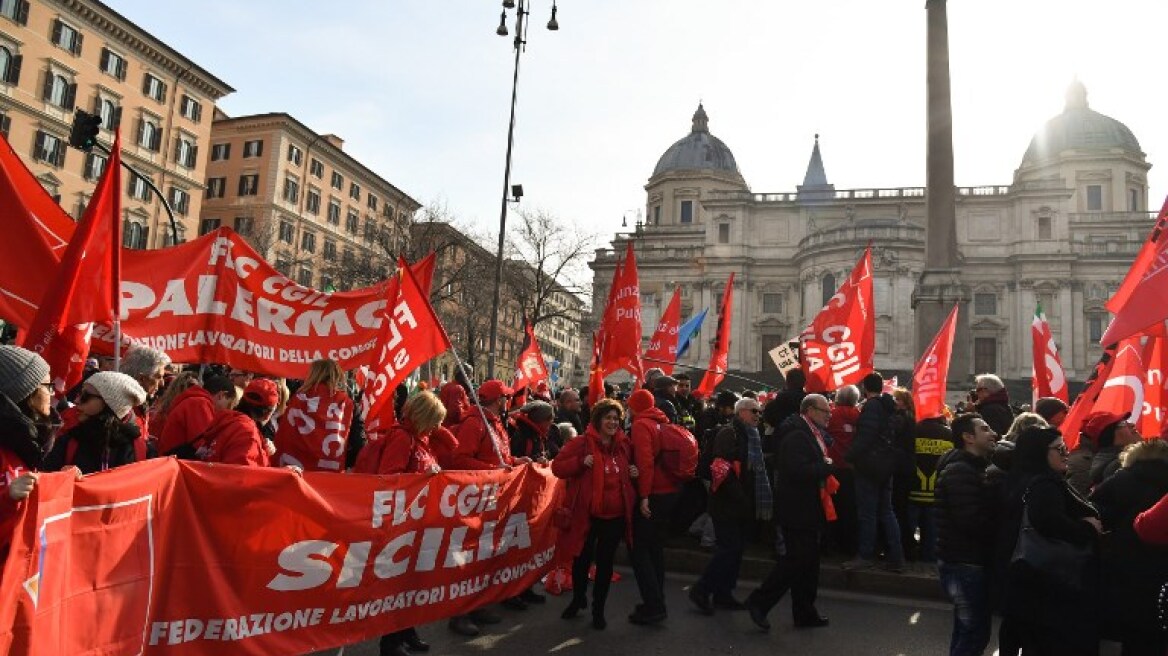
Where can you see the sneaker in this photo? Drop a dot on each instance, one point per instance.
(701, 600)
(485, 616)
(857, 564)
(464, 626)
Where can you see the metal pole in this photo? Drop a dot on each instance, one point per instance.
(117, 345)
(156, 190)
(724, 373)
(519, 15)
(474, 396)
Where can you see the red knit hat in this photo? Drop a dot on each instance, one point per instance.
(641, 400)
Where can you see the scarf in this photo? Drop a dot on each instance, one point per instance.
(763, 496)
(830, 485)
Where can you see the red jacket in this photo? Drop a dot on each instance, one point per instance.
(474, 444)
(235, 440)
(403, 452)
(11, 466)
(569, 465)
(1152, 524)
(652, 479)
(842, 428)
(454, 397)
(190, 414)
(314, 429)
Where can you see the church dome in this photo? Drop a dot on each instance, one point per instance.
(698, 150)
(1079, 128)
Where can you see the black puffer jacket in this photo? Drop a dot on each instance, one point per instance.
(964, 509)
(102, 443)
(20, 435)
(872, 453)
(1104, 464)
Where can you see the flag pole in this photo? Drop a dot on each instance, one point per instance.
(117, 345)
(474, 396)
(724, 373)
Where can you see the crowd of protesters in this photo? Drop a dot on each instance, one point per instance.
(1068, 547)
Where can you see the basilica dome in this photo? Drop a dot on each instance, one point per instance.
(699, 150)
(1082, 129)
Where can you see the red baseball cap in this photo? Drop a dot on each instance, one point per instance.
(262, 392)
(493, 389)
(1097, 422)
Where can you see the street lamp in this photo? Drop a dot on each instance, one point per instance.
(521, 14)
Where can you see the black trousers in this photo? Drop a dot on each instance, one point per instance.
(648, 550)
(600, 547)
(797, 571)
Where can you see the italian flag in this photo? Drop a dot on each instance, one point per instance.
(1049, 378)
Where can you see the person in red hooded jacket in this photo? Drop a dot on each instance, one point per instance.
(599, 471)
(454, 398)
(657, 492)
(315, 425)
(234, 437)
(191, 412)
(486, 445)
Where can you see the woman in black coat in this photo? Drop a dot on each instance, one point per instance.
(1132, 571)
(1043, 616)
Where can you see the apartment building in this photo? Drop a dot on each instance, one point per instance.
(60, 55)
(305, 204)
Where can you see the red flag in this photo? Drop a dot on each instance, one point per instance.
(621, 345)
(1142, 298)
(596, 374)
(838, 347)
(1048, 377)
(662, 351)
(929, 381)
(410, 336)
(530, 368)
(1123, 389)
(1086, 398)
(85, 289)
(1155, 357)
(720, 357)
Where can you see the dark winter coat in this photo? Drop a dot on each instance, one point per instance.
(996, 412)
(802, 471)
(1104, 464)
(100, 444)
(575, 418)
(785, 404)
(730, 502)
(665, 404)
(1132, 571)
(931, 440)
(872, 453)
(527, 440)
(964, 509)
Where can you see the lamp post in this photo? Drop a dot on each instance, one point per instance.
(521, 24)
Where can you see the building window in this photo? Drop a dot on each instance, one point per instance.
(244, 224)
(110, 113)
(1094, 198)
(656, 215)
(209, 225)
(49, 148)
(338, 181)
(723, 233)
(138, 190)
(316, 168)
(216, 187)
(134, 236)
(186, 152)
(191, 108)
(287, 232)
(5, 124)
(354, 191)
(149, 134)
(1094, 329)
(67, 37)
(772, 304)
(687, 211)
(94, 165)
(291, 189)
(330, 250)
(312, 203)
(58, 91)
(180, 200)
(370, 231)
(985, 354)
(827, 288)
(154, 88)
(1044, 229)
(113, 64)
(334, 211)
(347, 256)
(17, 10)
(220, 152)
(283, 266)
(304, 277)
(372, 202)
(253, 148)
(352, 221)
(308, 242)
(1133, 200)
(10, 66)
(295, 155)
(249, 185)
(985, 304)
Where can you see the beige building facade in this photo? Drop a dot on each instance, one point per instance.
(60, 55)
(308, 207)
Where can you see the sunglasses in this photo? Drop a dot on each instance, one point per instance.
(86, 395)
(755, 411)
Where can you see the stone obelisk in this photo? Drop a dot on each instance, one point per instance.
(939, 286)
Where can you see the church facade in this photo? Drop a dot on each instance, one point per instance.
(1062, 234)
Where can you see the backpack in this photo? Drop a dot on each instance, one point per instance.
(678, 453)
(369, 457)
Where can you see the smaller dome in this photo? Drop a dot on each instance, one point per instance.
(698, 150)
(1079, 128)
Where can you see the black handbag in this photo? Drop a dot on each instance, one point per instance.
(1050, 560)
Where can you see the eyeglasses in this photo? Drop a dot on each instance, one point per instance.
(1061, 448)
(822, 408)
(48, 387)
(755, 411)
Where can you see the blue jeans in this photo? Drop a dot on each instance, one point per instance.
(923, 517)
(874, 504)
(968, 589)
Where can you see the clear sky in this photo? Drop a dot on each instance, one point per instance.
(420, 89)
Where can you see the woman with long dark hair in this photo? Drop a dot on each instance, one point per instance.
(26, 426)
(108, 431)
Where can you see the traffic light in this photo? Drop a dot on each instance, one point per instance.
(85, 129)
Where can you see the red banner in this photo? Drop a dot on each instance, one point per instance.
(1155, 357)
(530, 369)
(621, 329)
(720, 356)
(931, 375)
(662, 351)
(838, 347)
(1049, 378)
(150, 559)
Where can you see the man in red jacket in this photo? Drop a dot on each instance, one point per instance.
(486, 445)
(657, 493)
(191, 414)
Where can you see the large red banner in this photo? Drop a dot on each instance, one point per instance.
(838, 347)
(147, 558)
(931, 375)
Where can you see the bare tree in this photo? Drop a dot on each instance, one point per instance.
(550, 256)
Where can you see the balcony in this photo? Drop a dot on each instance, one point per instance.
(862, 232)
(1111, 217)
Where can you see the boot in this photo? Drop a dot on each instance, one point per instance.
(578, 604)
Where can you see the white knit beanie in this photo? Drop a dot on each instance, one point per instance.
(119, 391)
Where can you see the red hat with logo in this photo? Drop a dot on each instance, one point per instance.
(492, 389)
(262, 392)
(1097, 422)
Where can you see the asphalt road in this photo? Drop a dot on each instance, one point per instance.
(861, 625)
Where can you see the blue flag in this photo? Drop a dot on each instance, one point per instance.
(688, 331)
